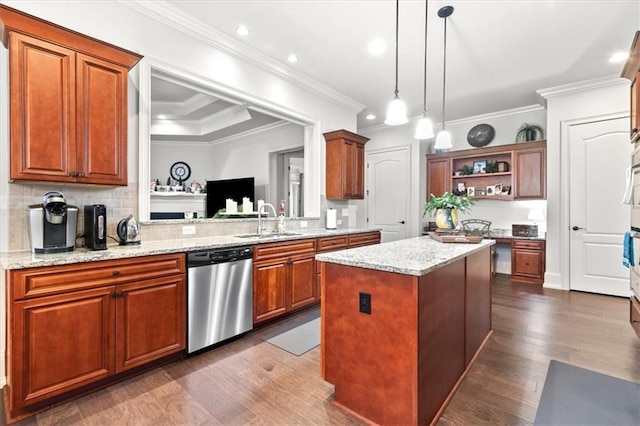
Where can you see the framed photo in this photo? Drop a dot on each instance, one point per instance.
(461, 187)
(497, 189)
(479, 166)
(491, 190)
(471, 191)
(506, 189)
(479, 192)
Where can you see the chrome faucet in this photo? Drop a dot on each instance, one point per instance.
(273, 209)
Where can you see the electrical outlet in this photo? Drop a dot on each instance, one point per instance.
(303, 224)
(189, 230)
(365, 302)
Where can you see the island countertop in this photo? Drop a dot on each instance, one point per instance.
(414, 256)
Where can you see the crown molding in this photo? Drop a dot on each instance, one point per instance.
(250, 132)
(166, 13)
(580, 86)
(175, 110)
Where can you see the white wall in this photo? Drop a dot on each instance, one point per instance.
(588, 100)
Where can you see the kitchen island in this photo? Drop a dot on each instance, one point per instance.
(402, 322)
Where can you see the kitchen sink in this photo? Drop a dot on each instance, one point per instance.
(268, 235)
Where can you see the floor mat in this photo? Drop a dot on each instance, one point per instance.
(298, 338)
(575, 396)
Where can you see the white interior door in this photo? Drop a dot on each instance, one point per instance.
(599, 154)
(388, 184)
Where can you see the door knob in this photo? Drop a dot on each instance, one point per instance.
(402, 222)
(575, 228)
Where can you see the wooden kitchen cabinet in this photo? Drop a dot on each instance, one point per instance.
(284, 278)
(530, 173)
(528, 261)
(68, 103)
(523, 171)
(75, 325)
(344, 165)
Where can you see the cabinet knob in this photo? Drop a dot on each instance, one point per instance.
(74, 174)
(115, 273)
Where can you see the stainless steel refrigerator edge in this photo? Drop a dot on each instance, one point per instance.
(220, 296)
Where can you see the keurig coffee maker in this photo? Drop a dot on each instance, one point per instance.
(95, 227)
(52, 224)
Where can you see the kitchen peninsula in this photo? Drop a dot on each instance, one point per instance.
(402, 322)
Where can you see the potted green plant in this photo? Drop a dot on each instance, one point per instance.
(529, 132)
(446, 208)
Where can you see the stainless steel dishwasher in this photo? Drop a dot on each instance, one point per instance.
(219, 294)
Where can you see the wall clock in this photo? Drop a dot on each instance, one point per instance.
(480, 135)
(180, 171)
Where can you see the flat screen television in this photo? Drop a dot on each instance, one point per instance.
(219, 190)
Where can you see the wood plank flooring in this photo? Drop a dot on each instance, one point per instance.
(249, 381)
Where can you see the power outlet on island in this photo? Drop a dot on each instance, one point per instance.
(365, 302)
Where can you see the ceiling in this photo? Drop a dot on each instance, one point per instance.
(499, 53)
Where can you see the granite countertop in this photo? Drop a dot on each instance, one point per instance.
(414, 256)
(26, 259)
(506, 233)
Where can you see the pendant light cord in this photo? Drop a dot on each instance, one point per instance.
(397, 23)
(444, 70)
(426, 18)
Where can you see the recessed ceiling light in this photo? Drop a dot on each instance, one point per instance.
(371, 117)
(241, 30)
(162, 117)
(618, 57)
(377, 46)
(292, 58)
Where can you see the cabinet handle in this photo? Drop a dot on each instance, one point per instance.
(74, 174)
(289, 262)
(115, 273)
(113, 295)
(81, 174)
(120, 293)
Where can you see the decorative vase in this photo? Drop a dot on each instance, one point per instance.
(447, 218)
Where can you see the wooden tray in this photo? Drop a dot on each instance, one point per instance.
(460, 238)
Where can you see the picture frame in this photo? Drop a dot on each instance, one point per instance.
(497, 189)
(461, 187)
(506, 189)
(479, 166)
(471, 191)
(480, 192)
(491, 190)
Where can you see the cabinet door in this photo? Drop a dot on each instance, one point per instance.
(530, 180)
(59, 343)
(101, 120)
(150, 321)
(357, 190)
(42, 93)
(269, 290)
(527, 265)
(348, 171)
(303, 287)
(438, 177)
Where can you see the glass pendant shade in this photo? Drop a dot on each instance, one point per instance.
(396, 112)
(443, 140)
(424, 129)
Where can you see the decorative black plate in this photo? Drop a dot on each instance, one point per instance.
(480, 135)
(180, 171)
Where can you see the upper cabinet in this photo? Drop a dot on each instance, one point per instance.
(345, 165)
(68, 103)
(631, 71)
(504, 172)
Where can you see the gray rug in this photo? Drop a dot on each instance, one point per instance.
(297, 338)
(575, 396)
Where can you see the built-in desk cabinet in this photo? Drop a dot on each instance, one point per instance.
(528, 261)
(75, 325)
(68, 103)
(522, 173)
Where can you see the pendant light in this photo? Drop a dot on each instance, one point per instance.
(424, 128)
(443, 140)
(396, 111)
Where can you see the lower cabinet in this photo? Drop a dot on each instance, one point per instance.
(74, 325)
(528, 261)
(634, 315)
(284, 278)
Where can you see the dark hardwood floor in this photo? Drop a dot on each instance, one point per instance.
(249, 381)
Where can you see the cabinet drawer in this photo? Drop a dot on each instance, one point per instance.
(634, 315)
(527, 244)
(332, 243)
(364, 239)
(283, 249)
(47, 280)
